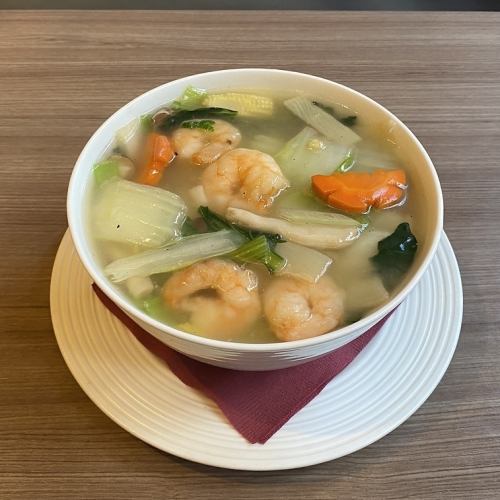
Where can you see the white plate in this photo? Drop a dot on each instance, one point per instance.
(385, 384)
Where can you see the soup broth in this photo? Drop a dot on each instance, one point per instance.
(313, 208)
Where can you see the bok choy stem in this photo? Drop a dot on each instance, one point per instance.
(258, 251)
(175, 256)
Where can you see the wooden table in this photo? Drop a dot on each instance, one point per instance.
(63, 73)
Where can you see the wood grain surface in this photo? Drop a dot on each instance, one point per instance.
(63, 73)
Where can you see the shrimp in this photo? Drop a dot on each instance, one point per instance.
(221, 298)
(297, 309)
(204, 146)
(243, 178)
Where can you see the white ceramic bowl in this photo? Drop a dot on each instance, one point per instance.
(425, 191)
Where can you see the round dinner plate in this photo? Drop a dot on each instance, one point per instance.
(378, 391)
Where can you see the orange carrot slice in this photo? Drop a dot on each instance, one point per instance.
(159, 155)
(358, 191)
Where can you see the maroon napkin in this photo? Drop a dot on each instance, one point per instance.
(257, 404)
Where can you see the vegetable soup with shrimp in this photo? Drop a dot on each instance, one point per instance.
(253, 217)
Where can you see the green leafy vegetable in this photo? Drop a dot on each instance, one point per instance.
(348, 121)
(153, 306)
(347, 163)
(147, 123)
(191, 98)
(272, 239)
(156, 308)
(207, 125)
(258, 251)
(271, 260)
(105, 170)
(252, 251)
(181, 116)
(395, 254)
(214, 221)
(324, 107)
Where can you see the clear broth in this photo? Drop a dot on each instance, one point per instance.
(351, 266)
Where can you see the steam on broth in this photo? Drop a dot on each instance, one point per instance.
(252, 216)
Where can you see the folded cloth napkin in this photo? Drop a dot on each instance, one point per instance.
(256, 403)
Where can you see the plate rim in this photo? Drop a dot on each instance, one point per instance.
(66, 245)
